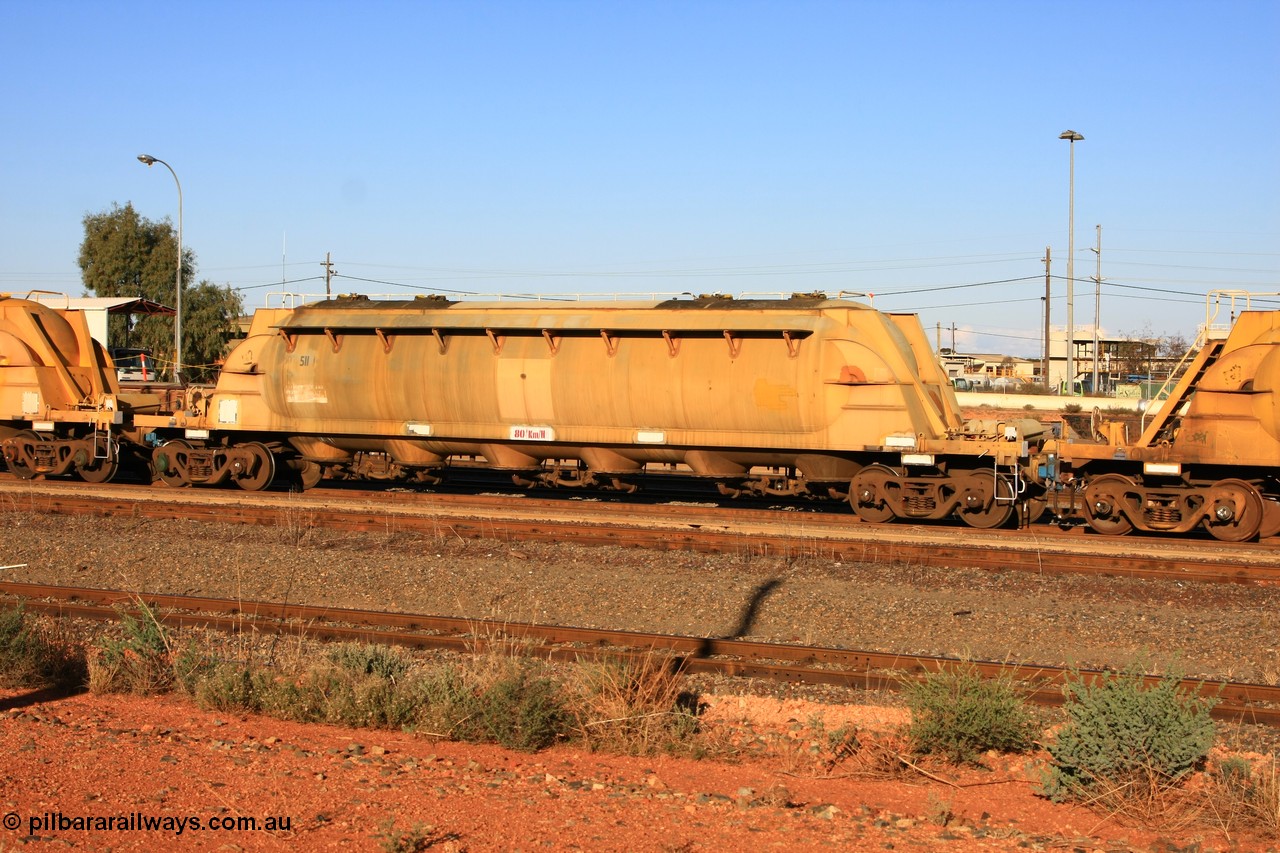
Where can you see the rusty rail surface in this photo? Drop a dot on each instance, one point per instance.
(864, 670)
(1043, 549)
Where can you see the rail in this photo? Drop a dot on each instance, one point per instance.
(1043, 549)
(858, 669)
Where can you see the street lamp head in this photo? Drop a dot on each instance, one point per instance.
(148, 160)
(1072, 135)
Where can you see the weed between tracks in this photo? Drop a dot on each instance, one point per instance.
(23, 501)
(295, 526)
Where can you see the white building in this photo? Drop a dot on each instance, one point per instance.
(98, 309)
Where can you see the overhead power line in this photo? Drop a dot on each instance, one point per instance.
(409, 286)
(959, 286)
(279, 283)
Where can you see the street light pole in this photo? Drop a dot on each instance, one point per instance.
(1073, 137)
(148, 160)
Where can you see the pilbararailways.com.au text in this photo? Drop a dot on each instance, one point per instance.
(139, 822)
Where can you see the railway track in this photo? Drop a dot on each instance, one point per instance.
(1237, 702)
(695, 527)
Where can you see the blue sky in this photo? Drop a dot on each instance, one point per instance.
(907, 149)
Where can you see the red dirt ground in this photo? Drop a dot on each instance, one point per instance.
(70, 761)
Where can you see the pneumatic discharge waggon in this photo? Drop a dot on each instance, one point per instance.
(807, 396)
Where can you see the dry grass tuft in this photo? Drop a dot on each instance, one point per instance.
(635, 705)
(1239, 796)
(815, 751)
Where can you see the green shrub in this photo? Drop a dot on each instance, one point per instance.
(1235, 770)
(520, 711)
(1123, 735)
(229, 687)
(369, 659)
(448, 701)
(366, 701)
(191, 668)
(523, 711)
(959, 715)
(31, 657)
(325, 693)
(320, 695)
(511, 705)
(405, 707)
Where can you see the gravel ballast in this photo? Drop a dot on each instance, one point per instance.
(1212, 631)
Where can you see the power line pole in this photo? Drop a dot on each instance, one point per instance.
(1097, 309)
(328, 273)
(1047, 295)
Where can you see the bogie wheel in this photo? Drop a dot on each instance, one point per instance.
(310, 475)
(1270, 518)
(101, 469)
(261, 472)
(169, 463)
(24, 472)
(1103, 498)
(1242, 512)
(867, 494)
(302, 473)
(993, 500)
(1034, 509)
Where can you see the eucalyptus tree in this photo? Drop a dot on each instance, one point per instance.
(125, 254)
